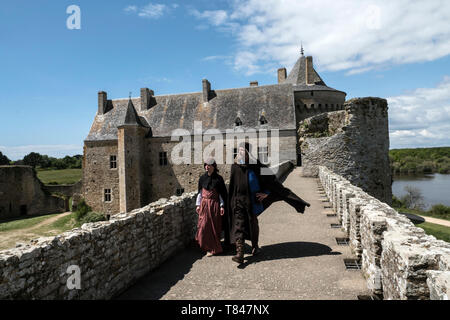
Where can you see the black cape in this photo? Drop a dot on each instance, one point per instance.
(239, 185)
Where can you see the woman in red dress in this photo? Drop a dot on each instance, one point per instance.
(211, 200)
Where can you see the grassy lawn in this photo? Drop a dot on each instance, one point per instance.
(24, 223)
(65, 176)
(440, 232)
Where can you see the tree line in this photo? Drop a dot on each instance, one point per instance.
(420, 160)
(37, 160)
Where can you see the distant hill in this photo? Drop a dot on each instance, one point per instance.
(420, 160)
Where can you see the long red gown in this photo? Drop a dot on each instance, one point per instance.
(209, 224)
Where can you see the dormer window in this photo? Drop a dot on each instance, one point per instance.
(238, 122)
(262, 120)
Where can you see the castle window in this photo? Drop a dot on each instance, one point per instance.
(263, 154)
(180, 191)
(235, 152)
(320, 105)
(312, 106)
(112, 162)
(107, 195)
(238, 122)
(312, 93)
(163, 158)
(262, 120)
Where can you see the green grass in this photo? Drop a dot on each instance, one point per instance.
(59, 226)
(440, 232)
(24, 223)
(65, 176)
(422, 213)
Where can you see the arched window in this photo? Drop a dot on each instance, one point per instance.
(238, 122)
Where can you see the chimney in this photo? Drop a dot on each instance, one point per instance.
(102, 102)
(206, 90)
(281, 75)
(253, 83)
(309, 70)
(146, 97)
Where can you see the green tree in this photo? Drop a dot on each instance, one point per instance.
(32, 159)
(4, 161)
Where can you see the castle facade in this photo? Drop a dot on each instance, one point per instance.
(128, 152)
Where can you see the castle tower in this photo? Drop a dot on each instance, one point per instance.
(130, 136)
(312, 96)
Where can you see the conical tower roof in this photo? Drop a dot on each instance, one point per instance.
(131, 117)
(297, 76)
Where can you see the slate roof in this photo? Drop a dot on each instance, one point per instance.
(297, 77)
(275, 102)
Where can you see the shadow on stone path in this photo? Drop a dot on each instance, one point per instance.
(288, 250)
(157, 283)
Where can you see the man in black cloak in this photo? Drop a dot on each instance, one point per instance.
(250, 193)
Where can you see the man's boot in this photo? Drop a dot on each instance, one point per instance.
(239, 257)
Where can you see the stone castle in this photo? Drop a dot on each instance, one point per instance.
(127, 161)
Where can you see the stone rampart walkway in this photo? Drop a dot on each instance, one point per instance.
(300, 259)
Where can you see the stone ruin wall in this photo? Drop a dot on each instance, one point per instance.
(19, 186)
(353, 143)
(399, 261)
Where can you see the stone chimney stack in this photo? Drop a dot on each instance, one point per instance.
(206, 90)
(253, 83)
(309, 70)
(281, 75)
(146, 96)
(102, 102)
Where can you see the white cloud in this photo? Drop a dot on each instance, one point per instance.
(130, 9)
(355, 35)
(57, 151)
(421, 118)
(151, 10)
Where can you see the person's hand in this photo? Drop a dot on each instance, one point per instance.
(261, 196)
(198, 209)
(222, 211)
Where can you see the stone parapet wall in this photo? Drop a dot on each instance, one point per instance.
(111, 255)
(399, 261)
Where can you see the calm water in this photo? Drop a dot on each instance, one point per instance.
(435, 188)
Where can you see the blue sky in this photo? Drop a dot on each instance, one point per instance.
(50, 75)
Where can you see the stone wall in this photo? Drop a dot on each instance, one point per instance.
(353, 142)
(399, 261)
(23, 194)
(98, 176)
(111, 255)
